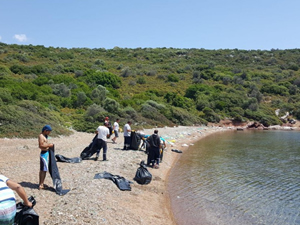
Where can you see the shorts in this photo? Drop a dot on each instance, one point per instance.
(7, 212)
(44, 161)
(116, 133)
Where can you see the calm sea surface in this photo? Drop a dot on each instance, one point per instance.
(238, 178)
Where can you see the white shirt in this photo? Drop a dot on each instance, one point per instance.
(5, 192)
(102, 133)
(116, 126)
(126, 132)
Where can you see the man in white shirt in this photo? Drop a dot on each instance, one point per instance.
(103, 134)
(127, 135)
(116, 131)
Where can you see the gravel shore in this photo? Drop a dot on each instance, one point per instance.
(98, 201)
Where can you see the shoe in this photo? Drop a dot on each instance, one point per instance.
(96, 158)
(156, 166)
(113, 141)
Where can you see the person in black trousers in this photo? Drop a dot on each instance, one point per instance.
(154, 146)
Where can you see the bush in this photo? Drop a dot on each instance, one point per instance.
(94, 110)
(210, 115)
(98, 95)
(141, 80)
(5, 96)
(105, 79)
(173, 78)
(129, 113)
(183, 117)
(26, 120)
(111, 105)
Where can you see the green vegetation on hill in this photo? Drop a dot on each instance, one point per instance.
(76, 88)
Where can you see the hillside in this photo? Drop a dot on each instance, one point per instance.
(76, 88)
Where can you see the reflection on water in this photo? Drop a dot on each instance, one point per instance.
(244, 177)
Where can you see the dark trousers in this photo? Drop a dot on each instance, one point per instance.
(101, 144)
(153, 156)
(127, 142)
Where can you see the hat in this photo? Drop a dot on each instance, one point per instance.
(107, 118)
(47, 128)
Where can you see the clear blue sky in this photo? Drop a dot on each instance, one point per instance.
(208, 24)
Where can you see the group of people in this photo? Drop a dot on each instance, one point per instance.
(103, 133)
(156, 143)
(7, 186)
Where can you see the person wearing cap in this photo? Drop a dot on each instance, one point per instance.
(44, 146)
(103, 134)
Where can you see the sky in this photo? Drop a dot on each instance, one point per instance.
(207, 24)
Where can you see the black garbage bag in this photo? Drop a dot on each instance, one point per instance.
(135, 141)
(142, 175)
(89, 150)
(61, 158)
(121, 182)
(26, 215)
(54, 173)
(176, 150)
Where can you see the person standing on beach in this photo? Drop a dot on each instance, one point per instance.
(163, 147)
(116, 131)
(103, 134)
(109, 125)
(8, 201)
(44, 155)
(127, 135)
(154, 150)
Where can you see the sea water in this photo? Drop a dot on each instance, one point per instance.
(238, 178)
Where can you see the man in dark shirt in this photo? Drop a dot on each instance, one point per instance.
(153, 156)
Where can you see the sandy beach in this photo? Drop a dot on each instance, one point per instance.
(99, 201)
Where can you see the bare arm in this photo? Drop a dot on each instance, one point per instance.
(20, 190)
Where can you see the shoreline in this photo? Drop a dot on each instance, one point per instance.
(196, 136)
(99, 201)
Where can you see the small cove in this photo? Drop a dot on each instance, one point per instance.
(240, 177)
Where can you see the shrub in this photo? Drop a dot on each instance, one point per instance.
(5, 96)
(111, 105)
(210, 115)
(99, 94)
(183, 117)
(173, 78)
(141, 80)
(129, 113)
(106, 79)
(93, 110)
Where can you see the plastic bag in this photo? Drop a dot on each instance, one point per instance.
(142, 175)
(26, 215)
